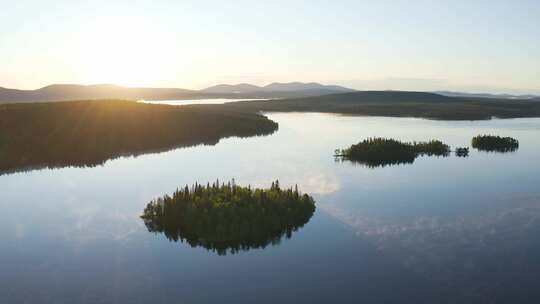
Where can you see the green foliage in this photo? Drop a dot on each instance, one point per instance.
(376, 152)
(431, 148)
(462, 152)
(495, 143)
(227, 217)
(87, 133)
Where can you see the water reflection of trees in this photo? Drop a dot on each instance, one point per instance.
(227, 218)
(376, 163)
(88, 133)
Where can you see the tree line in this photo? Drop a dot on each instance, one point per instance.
(87, 133)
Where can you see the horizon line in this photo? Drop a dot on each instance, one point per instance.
(479, 92)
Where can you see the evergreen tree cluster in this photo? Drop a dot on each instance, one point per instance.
(495, 143)
(228, 217)
(375, 152)
(462, 151)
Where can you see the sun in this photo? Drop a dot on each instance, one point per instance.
(122, 50)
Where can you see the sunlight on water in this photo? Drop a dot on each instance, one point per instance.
(195, 101)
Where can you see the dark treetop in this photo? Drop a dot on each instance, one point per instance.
(377, 152)
(87, 133)
(495, 143)
(462, 151)
(227, 217)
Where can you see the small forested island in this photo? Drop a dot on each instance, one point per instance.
(87, 133)
(493, 143)
(377, 152)
(462, 152)
(227, 218)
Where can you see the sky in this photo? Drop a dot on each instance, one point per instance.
(474, 46)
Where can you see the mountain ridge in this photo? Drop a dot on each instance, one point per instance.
(275, 90)
(65, 92)
(276, 87)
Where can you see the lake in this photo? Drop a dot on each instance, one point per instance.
(184, 102)
(439, 230)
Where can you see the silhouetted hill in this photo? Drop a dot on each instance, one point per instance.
(361, 97)
(301, 86)
(233, 88)
(291, 89)
(65, 92)
(399, 104)
(486, 95)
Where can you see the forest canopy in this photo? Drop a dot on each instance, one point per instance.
(227, 218)
(399, 104)
(87, 133)
(377, 152)
(495, 143)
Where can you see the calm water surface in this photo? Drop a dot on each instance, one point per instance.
(196, 101)
(440, 230)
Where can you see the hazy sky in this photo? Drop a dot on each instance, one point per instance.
(421, 45)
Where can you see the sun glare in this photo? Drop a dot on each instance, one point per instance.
(123, 51)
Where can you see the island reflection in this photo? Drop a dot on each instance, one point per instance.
(227, 218)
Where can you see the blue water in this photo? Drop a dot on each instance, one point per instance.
(440, 230)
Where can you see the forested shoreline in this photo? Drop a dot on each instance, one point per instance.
(399, 104)
(88, 133)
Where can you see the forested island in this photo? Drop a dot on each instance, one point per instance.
(380, 152)
(227, 218)
(493, 143)
(462, 151)
(87, 133)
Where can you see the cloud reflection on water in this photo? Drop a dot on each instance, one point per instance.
(455, 250)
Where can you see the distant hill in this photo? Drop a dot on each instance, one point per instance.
(309, 89)
(375, 97)
(486, 95)
(233, 88)
(300, 86)
(65, 92)
(399, 104)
